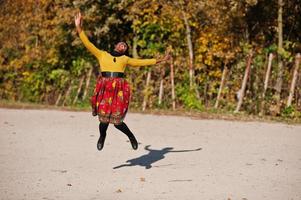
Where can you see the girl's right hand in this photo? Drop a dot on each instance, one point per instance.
(78, 20)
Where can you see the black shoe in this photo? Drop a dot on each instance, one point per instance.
(134, 143)
(94, 113)
(100, 143)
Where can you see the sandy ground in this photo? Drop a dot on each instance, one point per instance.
(48, 154)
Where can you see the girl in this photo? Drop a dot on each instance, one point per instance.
(111, 96)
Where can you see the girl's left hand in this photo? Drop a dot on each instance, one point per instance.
(166, 57)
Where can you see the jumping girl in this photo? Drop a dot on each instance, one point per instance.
(111, 96)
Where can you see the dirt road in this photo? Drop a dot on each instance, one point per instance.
(46, 154)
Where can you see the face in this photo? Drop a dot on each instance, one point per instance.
(121, 47)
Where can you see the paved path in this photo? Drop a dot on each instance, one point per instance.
(46, 154)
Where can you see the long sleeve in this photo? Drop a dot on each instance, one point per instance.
(141, 62)
(95, 51)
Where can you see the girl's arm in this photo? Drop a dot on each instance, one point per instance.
(78, 23)
(143, 62)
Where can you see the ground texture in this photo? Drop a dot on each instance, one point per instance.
(46, 154)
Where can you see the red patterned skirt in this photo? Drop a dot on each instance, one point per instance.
(111, 99)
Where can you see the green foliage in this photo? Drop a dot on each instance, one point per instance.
(290, 112)
(271, 49)
(187, 95)
(33, 86)
(150, 39)
(59, 77)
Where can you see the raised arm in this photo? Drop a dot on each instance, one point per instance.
(78, 23)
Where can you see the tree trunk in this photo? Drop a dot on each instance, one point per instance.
(294, 80)
(225, 71)
(266, 80)
(79, 89)
(161, 90)
(206, 81)
(87, 83)
(190, 49)
(146, 90)
(134, 52)
(192, 82)
(244, 82)
(279, 82)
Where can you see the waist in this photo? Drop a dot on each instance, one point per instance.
(113, 74)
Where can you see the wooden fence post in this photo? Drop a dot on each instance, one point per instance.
(244, 82)
(266, 80)
(68, 93)
(79, 88)
(146, 90)
(87, 83)
(161, 90)
(294, 80)
(225, 71)
(173, 96)
(58, 99)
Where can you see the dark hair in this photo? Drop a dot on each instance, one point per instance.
(115, 53)
(127, 48)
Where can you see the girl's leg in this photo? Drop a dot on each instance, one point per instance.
(124, 128)
(103, 133)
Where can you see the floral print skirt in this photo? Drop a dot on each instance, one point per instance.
(111, 99)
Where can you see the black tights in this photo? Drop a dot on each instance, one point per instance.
(122, 127)
(125, 129)
(103, 130)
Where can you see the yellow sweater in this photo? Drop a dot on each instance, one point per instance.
(106, 60)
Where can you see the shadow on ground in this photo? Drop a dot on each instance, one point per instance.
(151, 157)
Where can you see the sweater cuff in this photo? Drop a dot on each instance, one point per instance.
(82, 34)
(154, 61)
